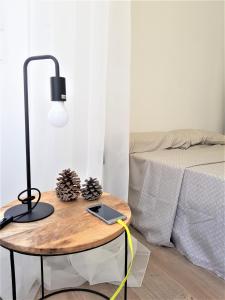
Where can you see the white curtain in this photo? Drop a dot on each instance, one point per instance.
(116, 163)
(91, 40)
(77, 34)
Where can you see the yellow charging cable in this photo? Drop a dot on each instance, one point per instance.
(114, 296)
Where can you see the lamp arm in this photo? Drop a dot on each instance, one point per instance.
(41, 57)
(26, 108)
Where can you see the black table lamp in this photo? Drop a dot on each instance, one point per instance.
(30, 211)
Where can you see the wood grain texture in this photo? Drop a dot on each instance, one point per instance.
(69, 229)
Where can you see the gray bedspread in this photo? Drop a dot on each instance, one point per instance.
(199, 227)
(160, 180)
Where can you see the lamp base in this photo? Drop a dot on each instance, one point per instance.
(41, 211)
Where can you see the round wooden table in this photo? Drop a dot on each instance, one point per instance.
(70, 229)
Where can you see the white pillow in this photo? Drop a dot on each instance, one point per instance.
(182, 138)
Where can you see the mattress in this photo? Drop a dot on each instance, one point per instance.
(177, 196)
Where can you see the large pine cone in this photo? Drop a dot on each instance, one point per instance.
(68, 185)
(91, 189)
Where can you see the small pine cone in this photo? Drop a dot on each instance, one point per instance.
(68, 185)
(91, 189)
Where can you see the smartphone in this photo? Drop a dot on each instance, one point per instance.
(106, 213)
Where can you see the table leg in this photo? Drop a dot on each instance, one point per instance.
(125, 270)
(13, 277)
(42, 278)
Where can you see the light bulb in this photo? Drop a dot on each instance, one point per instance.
(58, 115)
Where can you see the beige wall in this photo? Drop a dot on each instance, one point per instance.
(177, 65)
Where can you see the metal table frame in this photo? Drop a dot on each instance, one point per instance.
(43, 296)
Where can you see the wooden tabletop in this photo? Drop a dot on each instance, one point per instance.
(69, 229)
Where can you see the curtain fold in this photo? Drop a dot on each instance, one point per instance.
(116, 154)
(79, 41)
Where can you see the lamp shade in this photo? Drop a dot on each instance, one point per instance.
(58, 88)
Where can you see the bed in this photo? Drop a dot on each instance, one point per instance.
(177, 193)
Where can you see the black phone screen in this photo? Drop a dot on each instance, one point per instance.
(105, 212)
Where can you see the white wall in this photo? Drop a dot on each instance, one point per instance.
(177, 65)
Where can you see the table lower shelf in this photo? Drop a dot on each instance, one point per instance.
(74, 290)
(48, 295)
